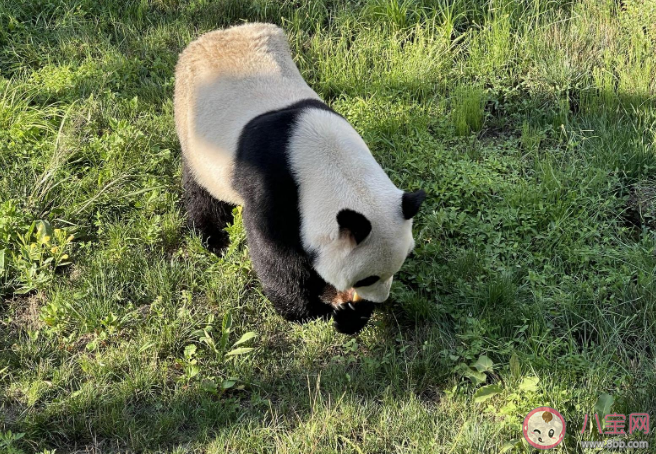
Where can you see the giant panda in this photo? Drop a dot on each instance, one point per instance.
(325, 226)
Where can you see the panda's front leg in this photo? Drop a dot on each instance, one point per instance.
(294, 294)
(287, 278)
(299, 294)
(349, 316)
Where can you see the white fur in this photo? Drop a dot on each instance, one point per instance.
(335, 170)
(223, 80)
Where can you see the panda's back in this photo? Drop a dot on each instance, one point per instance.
(224, 79)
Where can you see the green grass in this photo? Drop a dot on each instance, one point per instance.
(530, 124)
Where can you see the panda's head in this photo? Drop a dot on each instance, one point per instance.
(355, 223)
(369, 247)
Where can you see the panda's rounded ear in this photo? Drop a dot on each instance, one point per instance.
(353, 224)
(410, 203)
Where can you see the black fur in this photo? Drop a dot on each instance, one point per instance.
(367, 281)
(352, 317)
(410, 203)
(205, 213)
(271, 216)
(353, 223)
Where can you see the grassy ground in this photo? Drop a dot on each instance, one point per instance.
(531, 125)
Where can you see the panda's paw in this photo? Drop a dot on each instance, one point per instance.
(350, 318)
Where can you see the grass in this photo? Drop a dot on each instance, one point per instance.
(532, 127)
(468, 110)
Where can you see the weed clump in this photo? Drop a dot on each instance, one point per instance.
(468, 109)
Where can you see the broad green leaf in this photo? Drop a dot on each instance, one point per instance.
(476, 377)
(227, 322)
(529, 384)
(486, 392)
(34, 252)
(18, 436)
(239, 351)
(515, 368)
(190, 350)
(484, 364)
(227, 384)
(43, 232)
(510, 445)
(193, 371)
(208, 386)
(2, 262)
(207, 338)
(602, 407)
(245, 338)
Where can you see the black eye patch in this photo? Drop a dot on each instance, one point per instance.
(367, 281)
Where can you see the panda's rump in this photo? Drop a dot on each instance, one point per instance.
(223, 80)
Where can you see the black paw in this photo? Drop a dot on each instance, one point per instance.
(218, 243)
(350, 318)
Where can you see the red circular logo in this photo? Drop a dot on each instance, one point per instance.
(544, 428)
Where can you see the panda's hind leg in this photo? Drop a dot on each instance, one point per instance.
(205, 213)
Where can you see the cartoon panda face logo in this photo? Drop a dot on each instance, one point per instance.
(544, 428)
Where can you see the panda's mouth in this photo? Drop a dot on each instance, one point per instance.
(336, 298)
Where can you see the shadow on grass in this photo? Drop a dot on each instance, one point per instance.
(120, 415)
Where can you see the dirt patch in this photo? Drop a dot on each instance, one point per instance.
(82, 342)
(641, 207)
(430, 396)
(10, 413)
(27, 312)
(144, 311)
(75, 273)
